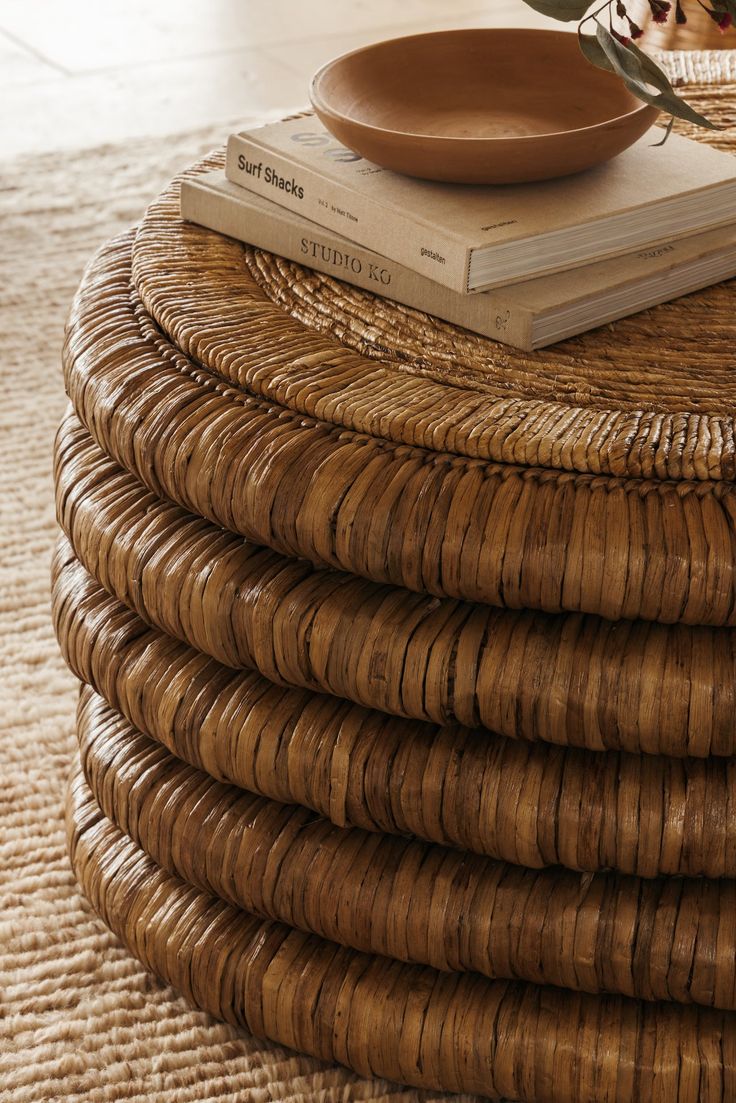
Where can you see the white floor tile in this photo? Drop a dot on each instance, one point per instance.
(19, 65)
(69, 112)
(82, 72)
(305, 56)
(88, 35)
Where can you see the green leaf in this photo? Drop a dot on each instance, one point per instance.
(564, 10)
(594, 52)
(641, 75)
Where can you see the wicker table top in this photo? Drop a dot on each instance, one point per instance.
(649, 396)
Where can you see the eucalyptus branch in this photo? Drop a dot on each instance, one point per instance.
(609, 48)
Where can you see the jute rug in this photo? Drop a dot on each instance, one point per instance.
(79, 1018)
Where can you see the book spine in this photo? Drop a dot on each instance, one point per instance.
(337, 207)
(492, 315)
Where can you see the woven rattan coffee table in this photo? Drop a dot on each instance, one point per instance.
(408, 722)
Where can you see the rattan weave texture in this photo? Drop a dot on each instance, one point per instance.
(406, 1022)
(531, 804)
(659, 939)
(434, 522)
(573, 680)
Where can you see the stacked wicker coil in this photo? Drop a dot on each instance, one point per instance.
(408, 719)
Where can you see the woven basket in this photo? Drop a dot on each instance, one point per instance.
(409, 658)
(534, 805)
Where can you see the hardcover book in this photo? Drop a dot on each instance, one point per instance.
(472, 238)
(527, 315)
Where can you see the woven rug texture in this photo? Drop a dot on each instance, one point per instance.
(80, 1019)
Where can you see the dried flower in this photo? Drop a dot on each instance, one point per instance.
(660, 10)
(723, 19)
(613, 47)
(635, 31)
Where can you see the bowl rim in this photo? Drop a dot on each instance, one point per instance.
(322, 108)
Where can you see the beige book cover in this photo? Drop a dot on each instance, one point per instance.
(526, 315)
(471, 238)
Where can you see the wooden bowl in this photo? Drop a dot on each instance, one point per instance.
(479, 106)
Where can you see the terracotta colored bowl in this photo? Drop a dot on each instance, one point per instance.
(478, 106)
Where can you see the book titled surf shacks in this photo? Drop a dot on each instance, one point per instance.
(471, 238)
(528, 315)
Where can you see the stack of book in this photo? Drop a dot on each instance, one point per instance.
(527, 264)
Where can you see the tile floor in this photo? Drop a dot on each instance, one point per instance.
(80, 72)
